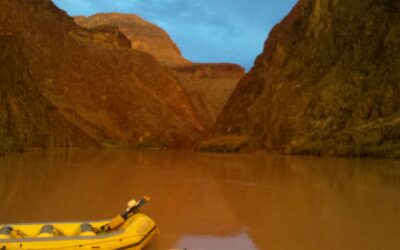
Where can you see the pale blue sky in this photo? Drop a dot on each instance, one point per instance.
(205, 30)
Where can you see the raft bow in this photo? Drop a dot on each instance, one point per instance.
(129, 230)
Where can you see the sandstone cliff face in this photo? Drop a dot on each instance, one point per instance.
(328, 82)
(78, 86)
(208, 85)
(144, 36)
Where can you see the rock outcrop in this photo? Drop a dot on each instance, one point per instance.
(328, 82)
(144, 36)
(63, 85)
(209, 85)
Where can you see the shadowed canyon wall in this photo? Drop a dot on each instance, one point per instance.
(327, 82)
(62, 84)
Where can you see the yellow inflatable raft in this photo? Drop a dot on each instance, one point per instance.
(130, 230)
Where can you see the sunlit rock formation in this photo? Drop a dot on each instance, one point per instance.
(63, 85)
(144, 36)
(208, 85)
(328, 82)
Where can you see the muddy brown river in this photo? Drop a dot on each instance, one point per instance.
(214, 201)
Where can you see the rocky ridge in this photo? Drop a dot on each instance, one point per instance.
(327, 83)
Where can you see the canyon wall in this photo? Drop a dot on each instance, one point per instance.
(327, 83)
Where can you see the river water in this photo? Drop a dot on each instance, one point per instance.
(214, 201)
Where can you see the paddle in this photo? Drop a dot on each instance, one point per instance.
(120, 219)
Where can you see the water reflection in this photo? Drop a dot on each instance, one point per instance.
(212, 201)
(235, 242)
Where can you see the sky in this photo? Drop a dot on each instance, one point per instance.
(205, 30)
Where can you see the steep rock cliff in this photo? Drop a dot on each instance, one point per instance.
(89, 81)
(328, 82)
